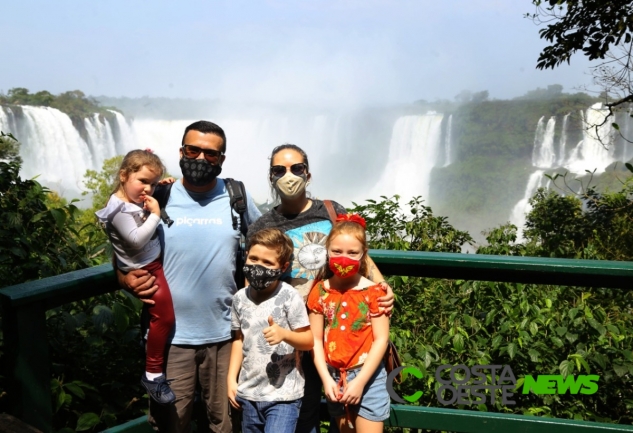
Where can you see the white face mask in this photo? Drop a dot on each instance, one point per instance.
(291, 186)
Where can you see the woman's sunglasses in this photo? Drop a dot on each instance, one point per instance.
(296, 169)
(210, 155)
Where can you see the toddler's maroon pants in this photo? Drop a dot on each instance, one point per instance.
(161, 320)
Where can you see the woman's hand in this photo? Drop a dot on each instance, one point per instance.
(385, 303)
(166, 181)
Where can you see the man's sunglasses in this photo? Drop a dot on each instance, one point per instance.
(210, 155)
(296, 169)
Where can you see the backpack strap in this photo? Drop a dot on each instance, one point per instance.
(161, 194)
(330, 210)
(237, 197)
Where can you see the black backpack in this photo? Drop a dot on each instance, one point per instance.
(237, 197)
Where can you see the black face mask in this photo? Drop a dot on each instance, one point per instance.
(199, 172)
(260, 277)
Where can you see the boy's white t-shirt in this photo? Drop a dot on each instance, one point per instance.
(269, 373)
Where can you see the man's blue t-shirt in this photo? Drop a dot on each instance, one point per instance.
(199, 252)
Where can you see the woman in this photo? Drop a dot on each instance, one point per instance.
(307, 222)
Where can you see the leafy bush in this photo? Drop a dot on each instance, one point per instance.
(536, 329)
(96, 362)
(94, 342)
(35, 241)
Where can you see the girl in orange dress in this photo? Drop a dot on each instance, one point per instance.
(350, 332)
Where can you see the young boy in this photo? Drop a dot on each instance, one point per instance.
(271, 327)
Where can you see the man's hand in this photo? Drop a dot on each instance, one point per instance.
(140, 283)
(274, 334)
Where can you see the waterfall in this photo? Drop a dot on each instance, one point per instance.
(52, 148)
(7, 121)
(100, 139)
(563, 141)
(127, 140)
(448, 157)
(56, 151)
(522, 208)
(414, 150)
(543, 157)
(596, 150)
(623, 137)
(543, 154)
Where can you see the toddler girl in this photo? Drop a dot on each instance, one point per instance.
(350, 332)
(130, 219)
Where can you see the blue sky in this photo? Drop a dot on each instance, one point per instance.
(325, 52)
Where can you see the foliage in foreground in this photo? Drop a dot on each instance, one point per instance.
(536, 329)
(94, 342)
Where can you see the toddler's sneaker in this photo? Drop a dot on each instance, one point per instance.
(158, 389)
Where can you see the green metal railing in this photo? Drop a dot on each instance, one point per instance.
(27, 363)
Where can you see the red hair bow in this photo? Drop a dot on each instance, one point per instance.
(352, 217)
(148, 150)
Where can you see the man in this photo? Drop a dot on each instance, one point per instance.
(199, 254)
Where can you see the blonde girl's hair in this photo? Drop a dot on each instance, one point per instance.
(349, 228)
(276, 240)
(134, 161)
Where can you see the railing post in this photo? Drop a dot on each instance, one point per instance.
(27, 363)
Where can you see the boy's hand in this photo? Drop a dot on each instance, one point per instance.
(274, 334)
(166, 181)
(232, 387)
(151, 204)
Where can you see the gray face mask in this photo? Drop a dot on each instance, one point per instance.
(199, 172)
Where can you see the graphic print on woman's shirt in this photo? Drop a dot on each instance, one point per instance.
(309, 254)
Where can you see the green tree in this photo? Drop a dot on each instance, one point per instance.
(74, 103)
(100, 184)
(35, 241)
(600, 29)
(9, 148)
(592, 26)
(389, 228)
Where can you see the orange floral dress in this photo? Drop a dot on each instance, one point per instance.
(348, 335)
